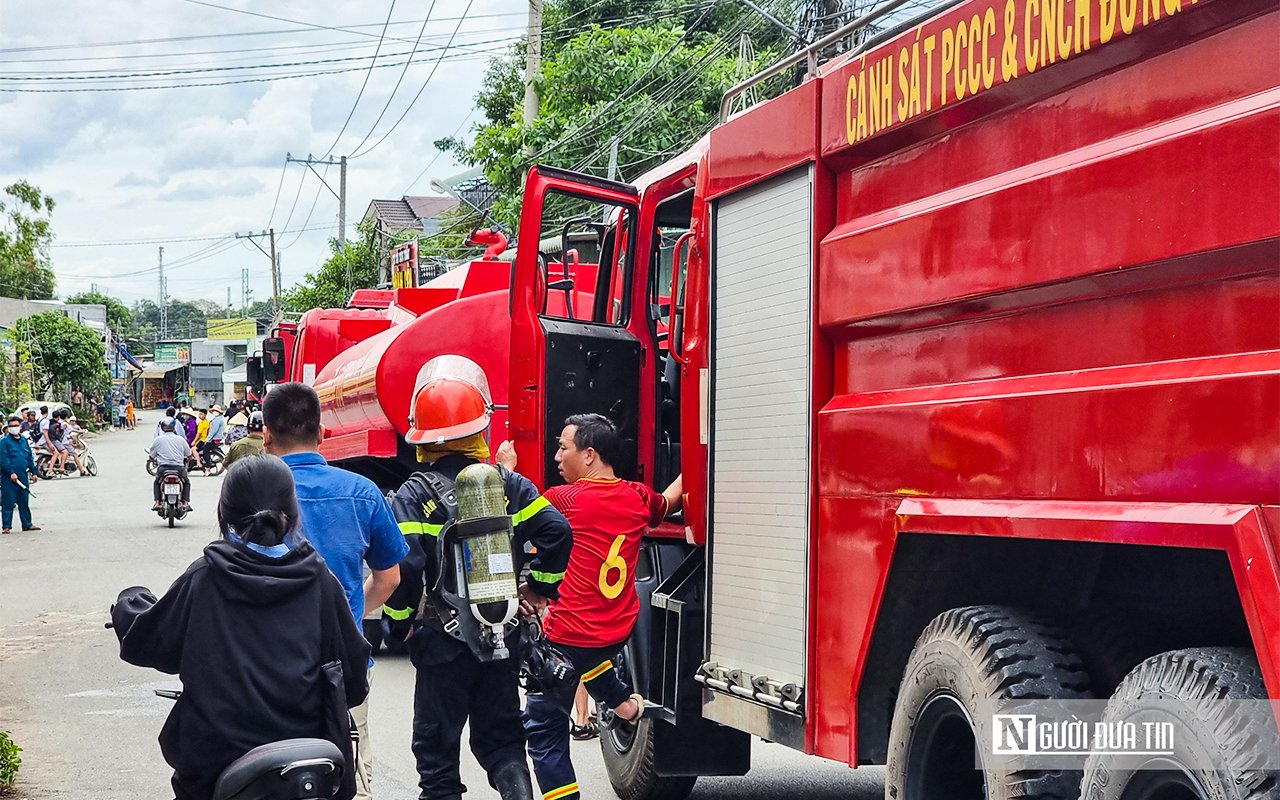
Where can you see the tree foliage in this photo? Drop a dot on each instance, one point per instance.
(119, 318)
(64, 351)
(188, 319)
(347, 269)
(649, 74)
(26, 269)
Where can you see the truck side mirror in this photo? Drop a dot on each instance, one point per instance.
(253, 370)
(273, 366)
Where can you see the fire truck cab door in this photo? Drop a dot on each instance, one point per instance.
(571, 350)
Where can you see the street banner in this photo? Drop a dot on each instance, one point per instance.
(228, 329)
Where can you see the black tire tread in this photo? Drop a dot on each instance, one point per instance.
(1208, 673)
(1021, 657)
(648, 785)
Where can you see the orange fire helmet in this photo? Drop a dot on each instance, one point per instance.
(451, 400)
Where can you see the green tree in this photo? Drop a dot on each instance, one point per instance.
(64, 351)
(653, 81)
(26, 269)
(187, 318)
(119, 318)
(347, 269)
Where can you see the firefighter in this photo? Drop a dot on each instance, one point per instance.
(456, 680)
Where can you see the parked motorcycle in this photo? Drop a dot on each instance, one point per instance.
(171, 506)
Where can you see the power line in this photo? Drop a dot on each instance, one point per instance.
(470, 56)
(439, 153)
(167, 240)
(426, 81)
(231, 34)
(360, 94)
(399, 80)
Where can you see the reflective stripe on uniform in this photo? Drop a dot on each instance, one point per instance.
(562, 792)
(528, 511)
(596, 672)
(546, 577)
(398, 614)
(415, 528)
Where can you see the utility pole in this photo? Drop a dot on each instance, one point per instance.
(532, 61)
(245, 291)
(228, 301)
(275, 264)
(164, 302)
(275, 274)
(310, 163)
(342, 204)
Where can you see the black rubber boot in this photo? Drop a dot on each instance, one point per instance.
(512, 781)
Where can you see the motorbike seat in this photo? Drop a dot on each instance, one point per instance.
(291, 769)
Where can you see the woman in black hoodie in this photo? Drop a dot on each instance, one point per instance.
(256, 628)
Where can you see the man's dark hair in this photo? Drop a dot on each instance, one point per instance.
(44, 409)
(171, 412)
(599, 433)
(292, 414)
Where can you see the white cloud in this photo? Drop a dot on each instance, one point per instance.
(206, 162)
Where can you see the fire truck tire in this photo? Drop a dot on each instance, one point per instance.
(1216, 756)
(629, 752)
(628, 760)
(1110, 646)
(966, 659)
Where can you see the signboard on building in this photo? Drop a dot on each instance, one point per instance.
(404, 265)
(173, 354)
(232, 329)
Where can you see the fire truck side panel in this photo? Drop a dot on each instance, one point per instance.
(1062, 290)
(323, 333)
(370, 386)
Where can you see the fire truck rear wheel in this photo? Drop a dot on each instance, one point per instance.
(966, 660)
(1217, 753)
(628, 759)
(628, 756)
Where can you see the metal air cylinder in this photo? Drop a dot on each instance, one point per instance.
(486, 558)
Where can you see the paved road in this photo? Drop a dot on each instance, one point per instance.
(88, 721)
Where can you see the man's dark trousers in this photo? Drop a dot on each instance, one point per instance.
(11, 494)
(547, 725)
(453, 685)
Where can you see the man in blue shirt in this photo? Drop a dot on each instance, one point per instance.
(344, 516)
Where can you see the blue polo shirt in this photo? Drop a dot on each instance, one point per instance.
(347, 521)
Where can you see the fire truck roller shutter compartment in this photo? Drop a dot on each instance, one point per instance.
(760, 442)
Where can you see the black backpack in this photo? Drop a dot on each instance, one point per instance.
(55, 430)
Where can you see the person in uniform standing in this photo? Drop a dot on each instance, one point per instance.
(451, 408)
(598, 605)
(18, 471)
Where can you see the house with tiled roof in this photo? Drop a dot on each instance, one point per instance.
(409, 213)
(393, 218)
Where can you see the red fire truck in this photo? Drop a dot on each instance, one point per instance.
(968, 349)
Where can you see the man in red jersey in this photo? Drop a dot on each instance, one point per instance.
(598, 604)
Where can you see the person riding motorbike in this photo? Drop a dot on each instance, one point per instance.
(170, 450)
(258, 630)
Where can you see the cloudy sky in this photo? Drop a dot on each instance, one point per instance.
(195, 164)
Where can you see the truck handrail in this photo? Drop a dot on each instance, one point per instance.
(810, 53)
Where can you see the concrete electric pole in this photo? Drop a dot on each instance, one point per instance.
(309, 162)
(275, 264)
(533, 61)
(164, 301)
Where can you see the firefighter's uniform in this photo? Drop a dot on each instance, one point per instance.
(452, 683)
